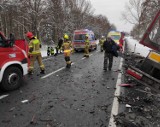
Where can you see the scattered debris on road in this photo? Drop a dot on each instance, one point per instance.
(141, 104)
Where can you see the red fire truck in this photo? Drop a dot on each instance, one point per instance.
(13, 62)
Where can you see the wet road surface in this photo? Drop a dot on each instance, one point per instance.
(81, 96)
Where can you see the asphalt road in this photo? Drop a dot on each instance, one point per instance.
(81, 96)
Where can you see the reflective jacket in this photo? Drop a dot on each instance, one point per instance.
(52, 51)
(87, 42)
(101, 41)
(34, 46)
(67, 45)
(67, 48)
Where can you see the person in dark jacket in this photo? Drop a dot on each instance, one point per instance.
(110, 48)
(48, 51)
(59, 46)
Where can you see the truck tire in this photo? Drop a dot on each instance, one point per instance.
(12, 79)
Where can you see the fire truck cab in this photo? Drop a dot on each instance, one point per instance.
(13, 62)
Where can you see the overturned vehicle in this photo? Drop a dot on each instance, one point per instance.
(148, 71)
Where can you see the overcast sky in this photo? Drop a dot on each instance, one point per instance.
(112, 9)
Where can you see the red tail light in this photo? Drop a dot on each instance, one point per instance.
(134, 73)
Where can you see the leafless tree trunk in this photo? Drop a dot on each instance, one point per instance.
(49, 19)
(133, 13)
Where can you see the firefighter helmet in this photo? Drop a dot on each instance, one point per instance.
(29, 34)
(87, 35)
(66, 36)
(102, 36)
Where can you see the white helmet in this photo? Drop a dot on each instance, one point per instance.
(102, 36)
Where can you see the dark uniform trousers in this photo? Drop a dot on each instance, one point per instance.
(108, 57)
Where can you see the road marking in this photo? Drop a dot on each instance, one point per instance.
(52, 73)
(3, 96)
(115, 104)
(59, 69)
(85, 57)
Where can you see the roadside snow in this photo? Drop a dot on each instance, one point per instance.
(44, 53)
(134, 46)
(44, 49)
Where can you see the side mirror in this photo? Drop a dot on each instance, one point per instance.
(11, 40)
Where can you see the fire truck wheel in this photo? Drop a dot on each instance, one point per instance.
(12, 79)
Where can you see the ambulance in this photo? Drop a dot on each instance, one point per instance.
(118, 37)
(79, 39)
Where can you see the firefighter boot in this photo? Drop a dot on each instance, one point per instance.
(68, 62)
(68, 65)
(30, 72)
(42, 72)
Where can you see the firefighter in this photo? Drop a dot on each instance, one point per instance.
(87, 45)
(66, 47)
(52, 51)
(34, 53)
(101, 41)
(48, 51)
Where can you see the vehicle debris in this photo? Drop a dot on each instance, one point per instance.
(25, 101)
(126, 85)
(146, 70)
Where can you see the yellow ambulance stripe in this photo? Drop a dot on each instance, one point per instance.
(154, 56)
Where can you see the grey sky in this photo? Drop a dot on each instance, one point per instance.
(112, 9)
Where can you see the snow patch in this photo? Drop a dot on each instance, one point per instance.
(134, 46)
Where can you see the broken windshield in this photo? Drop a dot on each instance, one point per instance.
(151, 38)
(155, 34)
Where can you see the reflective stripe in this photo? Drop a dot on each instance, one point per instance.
(66, 51)
(31, 67)
(36, 41)
(42, 66)
(35, 53)
(68, 62)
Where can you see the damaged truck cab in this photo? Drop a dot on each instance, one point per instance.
(149, 72)
(13, 62)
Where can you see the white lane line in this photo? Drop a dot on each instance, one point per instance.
(115, 105)
(59, 70)
(85, 57)
(52, 73)
(3, 96)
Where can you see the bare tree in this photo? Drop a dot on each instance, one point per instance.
(49, 19)
(133, 13)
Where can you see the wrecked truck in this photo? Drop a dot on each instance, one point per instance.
(148, 70)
